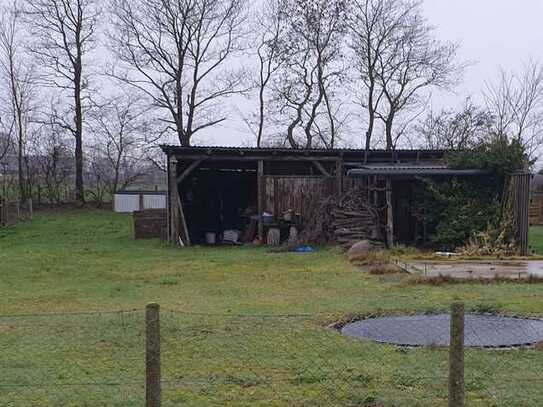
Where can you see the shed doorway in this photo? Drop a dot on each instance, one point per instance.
(216, 201)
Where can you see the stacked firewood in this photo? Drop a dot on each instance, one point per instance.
(346, 220)
(355, 219)
(351, 226)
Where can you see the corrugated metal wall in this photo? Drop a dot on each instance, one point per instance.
(128, 203)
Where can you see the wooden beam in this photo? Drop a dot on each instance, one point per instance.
(320, 168)
(271, 157)
(189, 170)
(261, 192)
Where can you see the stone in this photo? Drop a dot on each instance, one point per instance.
(360, 251)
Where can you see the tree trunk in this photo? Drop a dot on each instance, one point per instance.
(261, 115)
(371, 120)
(79, 187)
(388, 131)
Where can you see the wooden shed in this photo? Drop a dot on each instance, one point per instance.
(213, 190)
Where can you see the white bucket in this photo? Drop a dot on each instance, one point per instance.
(211, 237)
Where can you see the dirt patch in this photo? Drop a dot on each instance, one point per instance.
(7, 328)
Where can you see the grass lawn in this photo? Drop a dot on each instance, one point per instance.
(536, 239)
(240, 326)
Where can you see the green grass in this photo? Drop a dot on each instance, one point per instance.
(222, 344)
(536, 239)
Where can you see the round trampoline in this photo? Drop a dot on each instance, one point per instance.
(489, 331)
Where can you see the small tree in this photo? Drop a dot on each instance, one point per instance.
(119, 126)
(50, 156)
(516, 103)
(456, 130)
(18, 76)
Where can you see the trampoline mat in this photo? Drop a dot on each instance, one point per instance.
(491, 331)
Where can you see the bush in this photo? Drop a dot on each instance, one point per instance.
(465, 206)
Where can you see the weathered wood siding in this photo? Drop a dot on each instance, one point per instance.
(283, 193)
(520, 183)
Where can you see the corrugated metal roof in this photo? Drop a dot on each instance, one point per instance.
(414, 170)
(170, 147)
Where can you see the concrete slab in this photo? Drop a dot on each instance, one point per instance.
(474, 270)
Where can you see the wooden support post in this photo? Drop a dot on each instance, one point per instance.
(390, 214)
(260, 198)
(456, 357)
(152, 388)
(173, 210)
(276, 198)
(339, 177)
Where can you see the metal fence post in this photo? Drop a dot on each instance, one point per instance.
(152, 389)
(456, 357)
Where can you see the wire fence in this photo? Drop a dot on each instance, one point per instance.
(12, 212)
(113, 359)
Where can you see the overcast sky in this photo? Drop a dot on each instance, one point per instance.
(492, 33)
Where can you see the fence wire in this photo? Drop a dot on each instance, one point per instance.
(94, 359)
(12, 212)
(504, 376)
(98, 359)
(290, 361)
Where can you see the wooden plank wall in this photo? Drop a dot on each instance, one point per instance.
(285, 193)
(520, 182)
(536, 208)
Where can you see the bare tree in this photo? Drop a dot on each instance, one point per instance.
(18, 75)
(516, 103)
(456, 130)
(397, 59)
(50, 161)
(117, 155)
(270, 23)
(63, 35)
(5, 141)
(311, 69)
(176, 52)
